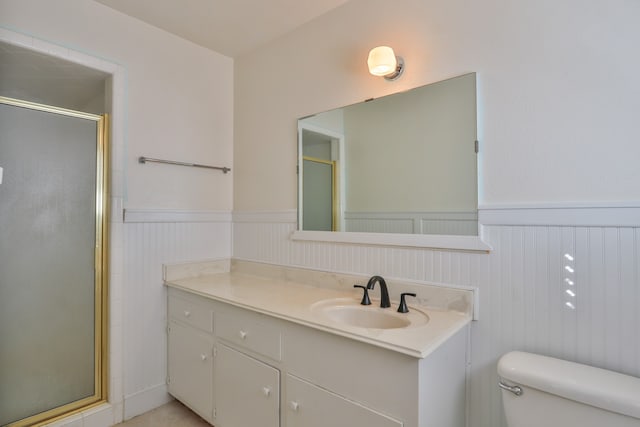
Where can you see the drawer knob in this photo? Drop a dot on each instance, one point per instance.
(187, 313)
(203, 357)
(243, 334)
(294, 406)
(266, 391)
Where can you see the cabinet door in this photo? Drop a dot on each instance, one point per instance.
(190, 367)
(247, 391)
(312, 406)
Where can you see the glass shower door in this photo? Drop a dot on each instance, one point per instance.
(51, 262)
(318, 206)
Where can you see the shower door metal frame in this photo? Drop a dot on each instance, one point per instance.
(101, 258)
(334, 185)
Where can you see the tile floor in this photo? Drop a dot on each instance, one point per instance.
(173, 414)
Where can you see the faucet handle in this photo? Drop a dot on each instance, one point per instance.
(403, 304)
(365, 297)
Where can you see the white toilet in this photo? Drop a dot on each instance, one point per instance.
(539, 391)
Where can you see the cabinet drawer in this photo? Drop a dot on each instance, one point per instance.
(312, 406)
(191, 313)
(252, 331)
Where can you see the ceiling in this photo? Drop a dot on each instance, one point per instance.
(230, 27)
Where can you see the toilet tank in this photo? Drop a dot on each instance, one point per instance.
(559, 393)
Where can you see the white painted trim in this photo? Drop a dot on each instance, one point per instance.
(573, 216)
(318, 129)
(162, 215)
(145, 400)
(287, 216)
(99, 416)
(450, 223)
(75, 420)
(458, 215)
(556, 205)
(432, 241)
(601, 214)
(465, 243)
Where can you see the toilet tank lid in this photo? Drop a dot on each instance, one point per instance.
(586, 384)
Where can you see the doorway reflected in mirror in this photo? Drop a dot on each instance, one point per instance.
(404, 163)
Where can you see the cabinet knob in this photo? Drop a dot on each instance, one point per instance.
(187, 313)
(203, 357)
(243, 334)
(294, 406)
(266, 391)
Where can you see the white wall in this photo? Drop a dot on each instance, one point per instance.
(557, 82)
(171, 99)
(179, 98)
(557, 95)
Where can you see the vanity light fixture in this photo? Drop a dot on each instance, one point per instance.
(383, 62)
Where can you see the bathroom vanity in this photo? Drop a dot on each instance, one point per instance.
(249, 350)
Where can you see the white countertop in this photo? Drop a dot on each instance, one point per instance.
(293, 301)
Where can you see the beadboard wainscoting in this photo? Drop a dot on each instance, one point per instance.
(451, 223)
(549, 287)
(152, 238)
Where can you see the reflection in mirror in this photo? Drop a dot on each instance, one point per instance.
(404, 163)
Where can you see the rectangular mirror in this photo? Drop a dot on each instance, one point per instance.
(404, 163)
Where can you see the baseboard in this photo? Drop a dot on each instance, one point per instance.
(102, 415)
(145, 400)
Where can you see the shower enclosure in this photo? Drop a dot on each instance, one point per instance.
(53, 262)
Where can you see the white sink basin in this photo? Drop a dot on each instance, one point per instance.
(350, 312)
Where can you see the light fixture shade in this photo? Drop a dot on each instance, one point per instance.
(382, 61)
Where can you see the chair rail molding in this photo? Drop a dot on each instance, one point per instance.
(605, 214)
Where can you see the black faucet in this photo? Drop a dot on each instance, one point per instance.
(384, 293)
(402, 308)
(365, 297)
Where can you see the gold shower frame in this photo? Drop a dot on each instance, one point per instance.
(334, 188)
(101, 280)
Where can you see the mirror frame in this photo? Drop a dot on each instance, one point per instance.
(431, 241)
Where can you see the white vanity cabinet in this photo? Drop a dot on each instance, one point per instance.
(247, 390)
(270, 372)
(374, 385)
(311, 406)
(247, 385)
(190, 355)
